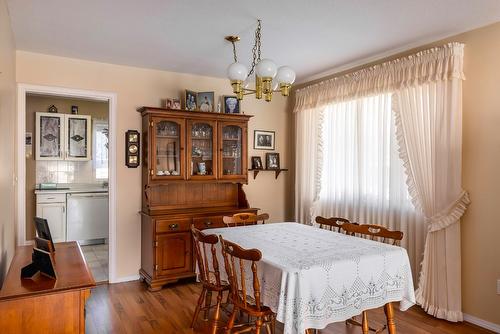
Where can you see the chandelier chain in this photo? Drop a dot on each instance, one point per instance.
(256, 48)
(234, 52)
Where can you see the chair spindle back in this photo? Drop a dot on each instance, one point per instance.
(374, 232)
(236, 260)
(243, 219)
(332, 224)
(208, 268)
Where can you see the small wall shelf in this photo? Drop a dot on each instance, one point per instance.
(276, 171)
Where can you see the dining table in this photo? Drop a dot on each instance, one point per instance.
(311, 277)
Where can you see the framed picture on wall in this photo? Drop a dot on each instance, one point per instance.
(272, 161)
(263, 140)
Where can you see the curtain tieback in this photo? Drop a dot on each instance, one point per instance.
(451, 214)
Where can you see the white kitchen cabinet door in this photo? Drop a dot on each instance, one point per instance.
(63, 137)
(78, 137)
(49, 136)
(55, 213)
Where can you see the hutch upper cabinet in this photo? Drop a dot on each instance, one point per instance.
(168, 154)
(232, 145)
(193, 168)
(202, 149)
(194, 146)
(63, 137)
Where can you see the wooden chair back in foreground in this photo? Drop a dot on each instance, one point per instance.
(237, 262)
(374, 232)
(332, 224)
(243, 219)
(381, 234)
(209, 274)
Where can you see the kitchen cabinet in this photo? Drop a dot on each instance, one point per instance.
(63, 137)
(53, 208)
(193, 167)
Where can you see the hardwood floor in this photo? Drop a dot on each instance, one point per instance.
(130, 308)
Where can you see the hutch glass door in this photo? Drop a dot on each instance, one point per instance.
(232, 141)
(169, 149)
(201, 146)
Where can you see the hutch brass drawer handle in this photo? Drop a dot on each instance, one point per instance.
(208, 223)
(173, 226)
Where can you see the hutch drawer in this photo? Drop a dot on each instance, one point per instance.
(208, 222)
(173, 225)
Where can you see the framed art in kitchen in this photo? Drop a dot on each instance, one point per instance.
(263, 140)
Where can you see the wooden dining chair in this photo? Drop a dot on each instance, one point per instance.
(243, 219)
(381, 234)
(209, 275)
(374, 232)
(332, 224)
(237, 261)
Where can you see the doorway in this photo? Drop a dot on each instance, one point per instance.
(67, 170)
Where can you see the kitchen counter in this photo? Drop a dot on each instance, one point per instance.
(71, 190)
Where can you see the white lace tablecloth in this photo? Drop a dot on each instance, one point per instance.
(312, 277)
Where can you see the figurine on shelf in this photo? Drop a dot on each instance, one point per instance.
(197, 152)
(202, 168)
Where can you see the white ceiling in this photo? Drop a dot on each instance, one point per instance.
(188, 35)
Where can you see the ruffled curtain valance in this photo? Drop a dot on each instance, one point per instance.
(439, 63)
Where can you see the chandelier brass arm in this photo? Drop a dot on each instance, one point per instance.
(266, 72)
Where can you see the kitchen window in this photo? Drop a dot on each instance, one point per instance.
(101, 148)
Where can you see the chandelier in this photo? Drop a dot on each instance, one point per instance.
(268, 78)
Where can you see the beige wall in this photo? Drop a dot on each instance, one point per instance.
(71, 171)
(480, 169)
(136, 87)
(480, 173)
(7, 135)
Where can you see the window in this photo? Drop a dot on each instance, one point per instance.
(100, 149)
(362, 171)
(363, 177)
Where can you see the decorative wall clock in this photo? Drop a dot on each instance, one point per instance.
(132, 148)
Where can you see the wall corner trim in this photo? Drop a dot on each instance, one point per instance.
(482, 323)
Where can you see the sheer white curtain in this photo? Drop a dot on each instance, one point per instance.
(428, 114)
(308, 160)
(429, 126)
(362, 176)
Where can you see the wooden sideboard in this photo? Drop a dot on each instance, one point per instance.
(193, 167)
(44, 305)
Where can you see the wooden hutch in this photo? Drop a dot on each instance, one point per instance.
(193, 167)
